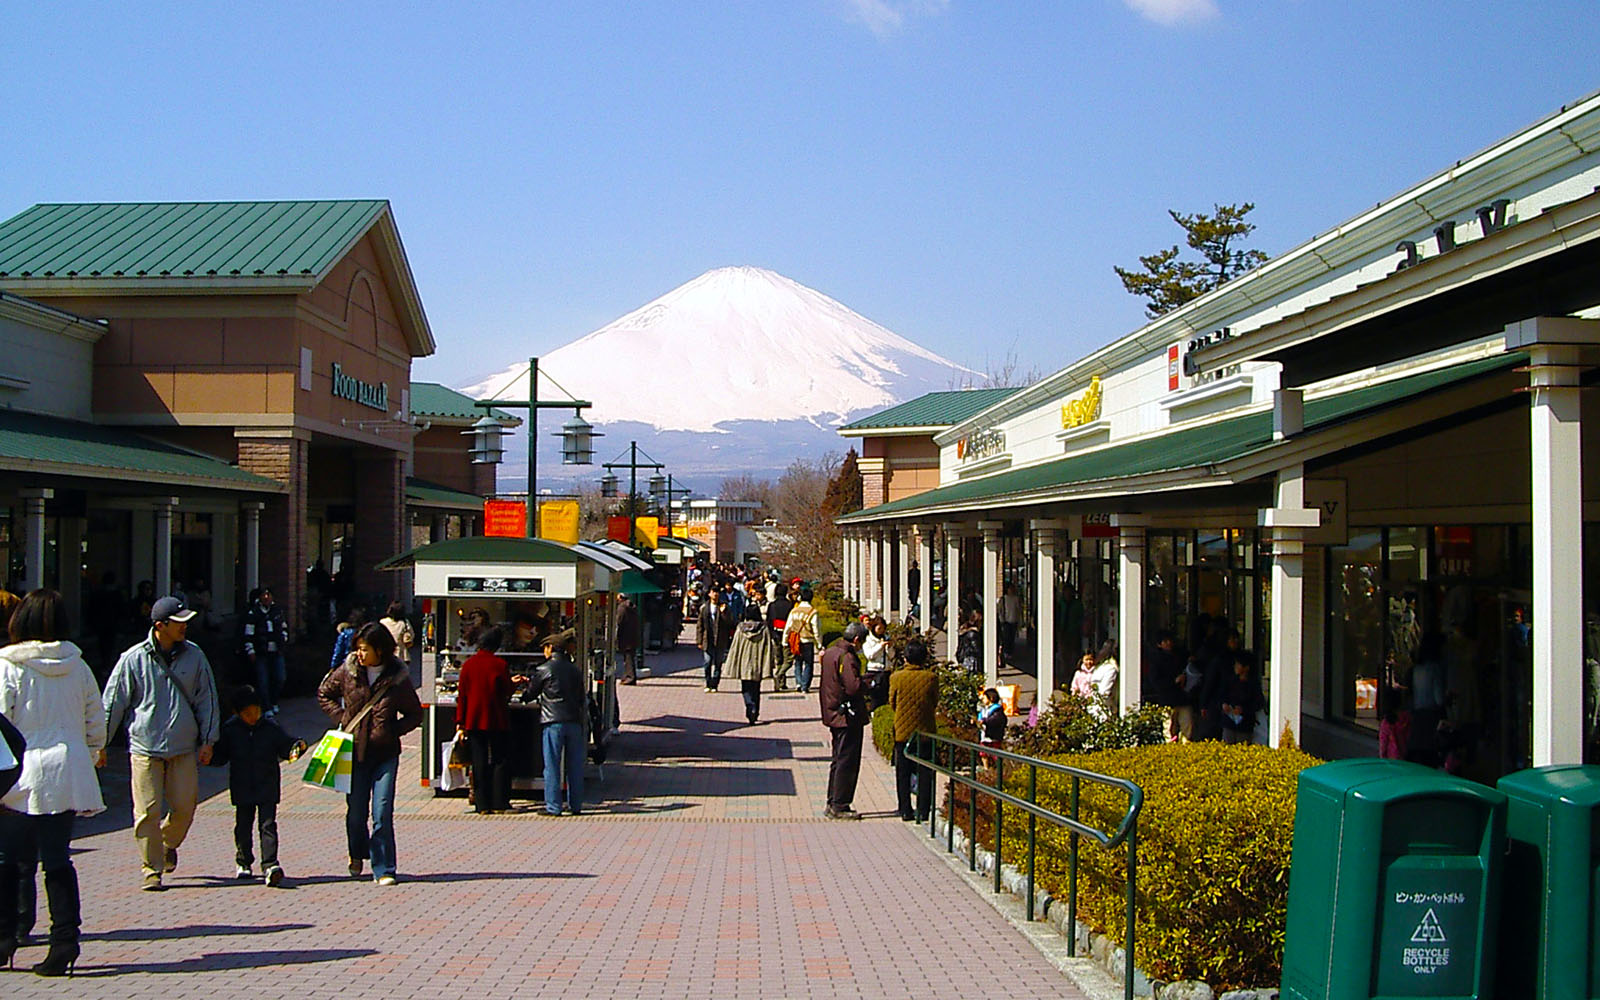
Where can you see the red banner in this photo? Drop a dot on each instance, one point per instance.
(617, 527)
(505, 518)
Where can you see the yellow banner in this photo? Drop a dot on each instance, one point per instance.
(680, 530)
(558, 521)
(647, 532)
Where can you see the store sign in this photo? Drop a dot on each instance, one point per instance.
(351, 388)
(558, 521)
(981, 444)
(1083, 410)
(1328, 498)
(647, 532)
(505, 518)
(1491, 219)
(496, 585)
(1173, 370)
(1191, 364)
(1099, 526)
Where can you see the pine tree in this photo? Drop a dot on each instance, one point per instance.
(1166, 282)
(844, 495)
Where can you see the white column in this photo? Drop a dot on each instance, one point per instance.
(953, 533)
(869, 592)
(1130, 612)
(163, 544)
(1555, 421)
(33, 536)
(1046, 535)
(845, 546)
(858, 564)
(925, 581)
(886, 571)
(1287, 524)
(991, 600)
(902, 577)
(252, 545)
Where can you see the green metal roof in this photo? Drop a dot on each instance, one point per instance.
(484, 549)
(430, 399)
(936, 409)
(1186, 448)
(422, 493)
(201, 240)
(55, 446)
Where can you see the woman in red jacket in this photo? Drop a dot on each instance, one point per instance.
(483, 715)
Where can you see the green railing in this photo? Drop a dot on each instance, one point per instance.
(959, 762)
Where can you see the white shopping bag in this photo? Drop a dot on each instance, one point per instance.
(452, 777)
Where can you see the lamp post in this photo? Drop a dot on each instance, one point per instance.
(577, 436)
(669, 492)
(633, 465)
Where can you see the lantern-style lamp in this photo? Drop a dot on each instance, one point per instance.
(487, 446)
(608, 486)
(577, 441)
(658, 485)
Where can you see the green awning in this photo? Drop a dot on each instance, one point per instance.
(421, 493)
(633, 582)
(485, 549)
(1182, 449)
(54, 446)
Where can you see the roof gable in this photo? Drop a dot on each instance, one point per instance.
(934, 409)
(430, 399)
(203, 248)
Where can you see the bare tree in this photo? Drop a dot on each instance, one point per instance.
(744, 486)
(1006, 373)
(808, 545)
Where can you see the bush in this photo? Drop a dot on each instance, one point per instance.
(883, 731)
(1074, 724)
(959, 690)
(1214, 841)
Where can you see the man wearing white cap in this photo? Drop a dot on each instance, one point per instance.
(165, 688)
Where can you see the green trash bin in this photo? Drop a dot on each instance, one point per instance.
(1552, 889)
(1394, 884)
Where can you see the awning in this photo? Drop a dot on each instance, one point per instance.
(633, 582)
(1151, 462)
(55, 447)
(432, 496)
(618, 550)
(485, 549)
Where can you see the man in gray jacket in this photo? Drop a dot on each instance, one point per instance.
(165, 688)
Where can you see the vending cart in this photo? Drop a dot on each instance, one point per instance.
(530, 588)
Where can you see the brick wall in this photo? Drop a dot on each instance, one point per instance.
(284, 549)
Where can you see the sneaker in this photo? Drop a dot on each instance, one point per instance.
(242, 872)
(171, 861)
(152, 883)
(356, 864)
(387, 880)
(274, 876)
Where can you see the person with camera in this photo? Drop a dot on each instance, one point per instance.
(843, 689)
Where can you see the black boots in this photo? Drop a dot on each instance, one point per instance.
(61, 892)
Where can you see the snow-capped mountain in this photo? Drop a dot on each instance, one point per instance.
(741, 369)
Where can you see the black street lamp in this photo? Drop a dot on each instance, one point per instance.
(633, 465)
(577, 435)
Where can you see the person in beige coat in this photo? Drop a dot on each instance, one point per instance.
(752, 658)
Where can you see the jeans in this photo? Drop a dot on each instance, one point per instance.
(269, 678)
(752, 699)
(51, 836)
(904, 769)
(803, 665)
(264, 816)
(845, 766)
(372, 782)
(714, 658)
(170, 784)
(563, 739)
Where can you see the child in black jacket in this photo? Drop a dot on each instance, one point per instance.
(251, 747)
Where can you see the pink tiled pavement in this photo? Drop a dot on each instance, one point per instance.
(704, 869)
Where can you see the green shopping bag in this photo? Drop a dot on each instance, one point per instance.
(328, 766)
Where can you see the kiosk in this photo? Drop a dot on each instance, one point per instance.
(531, 588)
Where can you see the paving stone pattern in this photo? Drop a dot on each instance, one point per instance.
(704, 869)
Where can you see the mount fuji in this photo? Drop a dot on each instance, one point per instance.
(740, 370)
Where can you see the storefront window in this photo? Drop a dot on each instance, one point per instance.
(1355, 626)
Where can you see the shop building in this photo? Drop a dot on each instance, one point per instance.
(1366, 456)
(725, 527)
(269, 344)
(445, 489)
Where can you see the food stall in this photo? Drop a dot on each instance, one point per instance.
(530, 588)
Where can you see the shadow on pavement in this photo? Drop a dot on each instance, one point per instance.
(224, 961)
(189, 931)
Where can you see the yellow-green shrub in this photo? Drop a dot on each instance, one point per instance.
(1214, 840)
(883, 731)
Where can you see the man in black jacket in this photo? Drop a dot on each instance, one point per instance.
(717, 623)
(778, 610)
(843, 692)
(558, 686)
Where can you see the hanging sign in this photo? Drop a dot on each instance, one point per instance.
(505, 518)
(647, 532)
(558, 521)
(617, 528)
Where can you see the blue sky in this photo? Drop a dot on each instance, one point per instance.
(965, 173)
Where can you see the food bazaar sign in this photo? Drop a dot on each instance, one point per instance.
(351, 388)
(1085, 409)
(982, 444)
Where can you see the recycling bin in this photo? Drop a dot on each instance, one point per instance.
(1394, 884)
(1551, 910)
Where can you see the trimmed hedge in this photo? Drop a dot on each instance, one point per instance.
(883, 731)
(1214, 841)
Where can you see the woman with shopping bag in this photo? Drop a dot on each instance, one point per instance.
(370, 696)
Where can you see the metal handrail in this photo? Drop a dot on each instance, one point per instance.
(1126, 833)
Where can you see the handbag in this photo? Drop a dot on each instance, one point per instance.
(330, 764)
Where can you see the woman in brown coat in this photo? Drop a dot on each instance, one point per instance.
(370, 697)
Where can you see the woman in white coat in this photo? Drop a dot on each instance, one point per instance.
(49, 693)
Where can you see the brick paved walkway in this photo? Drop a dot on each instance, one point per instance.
(704, 870)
